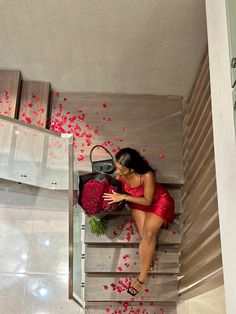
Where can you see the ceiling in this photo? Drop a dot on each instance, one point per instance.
(117, 46)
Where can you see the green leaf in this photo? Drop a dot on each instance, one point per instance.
(97, 226)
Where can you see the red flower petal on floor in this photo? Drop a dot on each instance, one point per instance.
(81, 117)
(174, 232)
(119, 268)
(146, 290)
(105, 287)
(28, 119)
(124, 129)
(162, 156)
(108, 309)
(65, 99)
(58, 94)
(105, 105)
(30, 105)
(80, 158)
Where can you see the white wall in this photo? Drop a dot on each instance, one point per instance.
(224, 141)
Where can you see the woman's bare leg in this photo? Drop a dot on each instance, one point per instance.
(152, 225)
(139, 218)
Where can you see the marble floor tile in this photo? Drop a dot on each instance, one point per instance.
(48, 294)
(12, 290)
(49, 243)
(14, 245)
(211, 302)
(16, 214)
(13, 194)
(52, 200)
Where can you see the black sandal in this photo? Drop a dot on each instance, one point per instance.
(133, 291)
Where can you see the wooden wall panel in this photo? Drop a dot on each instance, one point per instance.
(152, 124)
(9, 92)
(34, 103)
(200, 247)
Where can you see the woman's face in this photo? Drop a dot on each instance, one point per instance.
(121, 170)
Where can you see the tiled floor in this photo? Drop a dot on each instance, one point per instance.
(33, 252)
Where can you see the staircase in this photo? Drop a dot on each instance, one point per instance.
(110, 260)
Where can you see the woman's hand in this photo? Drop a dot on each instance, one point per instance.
(114, 197)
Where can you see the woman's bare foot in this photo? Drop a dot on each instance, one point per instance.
(135, 287)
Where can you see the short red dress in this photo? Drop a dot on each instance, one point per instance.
(162, 204)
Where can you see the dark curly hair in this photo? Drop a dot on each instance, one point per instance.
(131, 158)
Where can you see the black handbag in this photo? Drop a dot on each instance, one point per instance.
(102, 166)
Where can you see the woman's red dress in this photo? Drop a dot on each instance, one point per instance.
(162, 204)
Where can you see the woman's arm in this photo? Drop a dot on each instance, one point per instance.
(149, 183)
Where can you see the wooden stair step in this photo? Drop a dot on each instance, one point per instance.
(35, 103)
(122, 230)
(104, 259)
(131, 307)
(175, 192)
(9, 92)
(112, 287)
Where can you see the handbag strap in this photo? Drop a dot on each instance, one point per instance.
(90, 156)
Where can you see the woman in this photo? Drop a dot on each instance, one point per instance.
(150, 203)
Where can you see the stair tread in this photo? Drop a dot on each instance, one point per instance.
(131, 307)
(122, 229)
(160, 288)
(106, 259)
